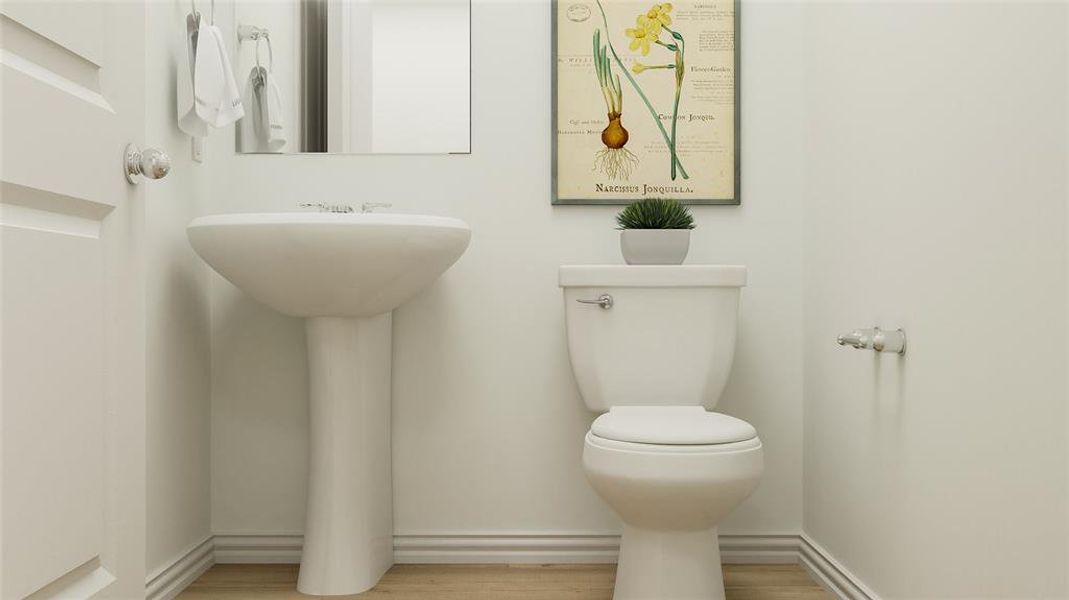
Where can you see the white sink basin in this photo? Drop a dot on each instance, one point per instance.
(328, 264)
(345, 273)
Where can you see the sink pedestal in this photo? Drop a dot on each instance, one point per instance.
(348, 535)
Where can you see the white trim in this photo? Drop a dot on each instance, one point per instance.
(498, 548)
(510, 548)
(759, 549)
(84, 581)
(543, 548)
(258, 549)
(830, 573)
(169, 581)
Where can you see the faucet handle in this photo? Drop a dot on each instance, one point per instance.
(367, 207)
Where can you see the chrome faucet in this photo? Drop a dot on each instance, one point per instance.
(331, 208)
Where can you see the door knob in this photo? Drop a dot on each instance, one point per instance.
(152, 163)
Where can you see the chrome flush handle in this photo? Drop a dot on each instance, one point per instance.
(604, 301)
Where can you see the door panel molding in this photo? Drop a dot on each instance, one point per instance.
(72, 334)
(74, 26)
(28, 208)
(51, 63)
(84, 581)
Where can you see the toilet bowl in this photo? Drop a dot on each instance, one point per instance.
(671, 497)
(653, 359)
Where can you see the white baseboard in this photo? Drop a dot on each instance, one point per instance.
(830, 573)
(169, 581)
(258, 549)
(497, 548)
(521, 548)
(759, 549)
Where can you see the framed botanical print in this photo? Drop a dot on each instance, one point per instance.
(645, 101)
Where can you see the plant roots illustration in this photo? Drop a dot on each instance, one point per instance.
(615, 163)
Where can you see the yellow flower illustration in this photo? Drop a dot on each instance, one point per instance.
(645, 33)
(659, 14)
(648, 28)
(639, 67)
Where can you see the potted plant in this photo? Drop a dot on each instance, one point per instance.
(655, 231)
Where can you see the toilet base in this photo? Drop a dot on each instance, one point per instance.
(669, 565)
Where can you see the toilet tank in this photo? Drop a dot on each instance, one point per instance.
(667, 340)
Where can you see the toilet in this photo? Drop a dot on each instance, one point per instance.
(651, 347)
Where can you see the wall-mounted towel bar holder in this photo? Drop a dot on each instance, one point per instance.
(876, 339)
(253, 33)
(196, 13)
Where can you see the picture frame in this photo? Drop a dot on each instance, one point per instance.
(581, 175)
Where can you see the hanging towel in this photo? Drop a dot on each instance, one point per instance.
(217, 100)
(262, 129)
(188, 120)
(248, 136)
(273, 130)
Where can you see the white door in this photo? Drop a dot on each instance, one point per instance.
(71, 309)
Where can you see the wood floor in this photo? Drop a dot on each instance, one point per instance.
(492, 582)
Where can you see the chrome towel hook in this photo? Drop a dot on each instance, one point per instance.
(193, 10)
(256, 34)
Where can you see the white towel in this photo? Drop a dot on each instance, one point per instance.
(248, 136)
(188, 120)
(218, 101)
(262, 129)
(272, 126)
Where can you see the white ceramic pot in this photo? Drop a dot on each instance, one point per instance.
(654, 246)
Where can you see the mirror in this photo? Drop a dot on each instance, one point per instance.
(354, 76)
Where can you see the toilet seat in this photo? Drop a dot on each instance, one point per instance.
(671, 426)
(601, 444)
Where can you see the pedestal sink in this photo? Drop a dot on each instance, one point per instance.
(344, 273)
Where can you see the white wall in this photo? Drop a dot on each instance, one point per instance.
(936, 166)
(924, 148)
(178, 325)
(488, 424)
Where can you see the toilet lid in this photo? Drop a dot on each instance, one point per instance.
(671, 425)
